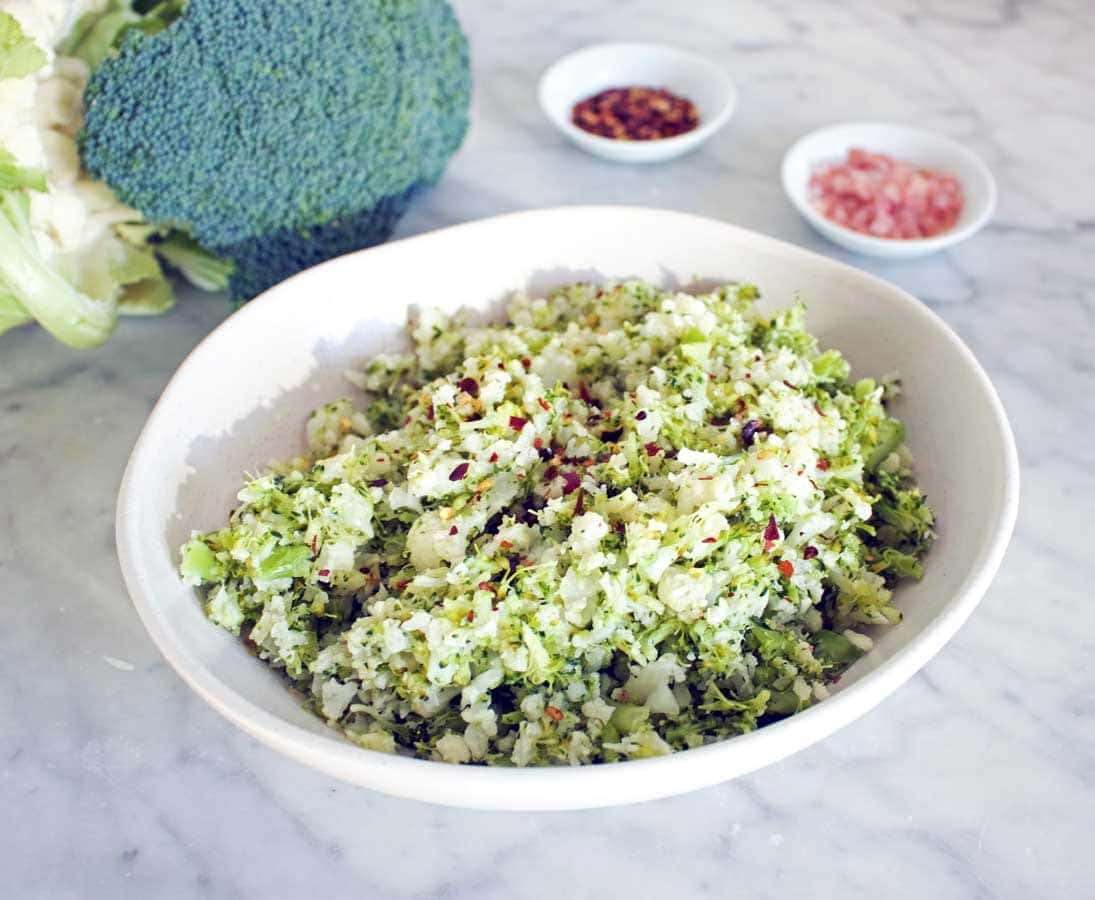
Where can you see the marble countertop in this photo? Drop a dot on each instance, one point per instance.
(977, 779)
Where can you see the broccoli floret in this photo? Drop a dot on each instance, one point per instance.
(280, 134)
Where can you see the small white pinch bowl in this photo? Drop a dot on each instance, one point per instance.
(243, 395)
(593, 69)
(913, 145)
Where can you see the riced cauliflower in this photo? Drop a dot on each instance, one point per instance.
(623, 522)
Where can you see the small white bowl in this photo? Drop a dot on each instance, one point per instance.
(243, 395)
(924, 148)
(593, 69)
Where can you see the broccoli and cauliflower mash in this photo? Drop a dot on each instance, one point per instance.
(625, 521)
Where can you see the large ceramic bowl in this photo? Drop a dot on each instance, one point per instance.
(242, 396)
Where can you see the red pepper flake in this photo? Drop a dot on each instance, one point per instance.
(486, 586)
(406, 420)
(823, 464)
(494, 457)
(538, 443)
(580, 503)
(323, 573)
(786, 568)
(429, 412)
(571, 481)
(635, 113)
(453, 530)
(771, 533)
(402, 583)
(800, 471)
(817, 408)
(469, 386)
(505, 545)
(640, 415)
(748, 374)
(652, 449)
(315, 537)
(710, 540)
(809, 553)
(471, 615)
(589, 463)
(380, 459)
(517, 423)
(526, 362)
(554, 713)
(584, 394)
(706, 478)
(544, 405)
(459, 472)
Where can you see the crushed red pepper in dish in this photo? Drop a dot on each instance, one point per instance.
(636, 114)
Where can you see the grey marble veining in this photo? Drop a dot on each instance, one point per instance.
(977, 779)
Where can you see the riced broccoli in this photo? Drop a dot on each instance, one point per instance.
(625, 522)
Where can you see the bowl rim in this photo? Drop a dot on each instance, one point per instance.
(699, 134)
(545, 788)
(866, 243)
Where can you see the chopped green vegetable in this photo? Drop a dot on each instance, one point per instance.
(576, 537)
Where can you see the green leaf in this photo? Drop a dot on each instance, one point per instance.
(147, 297)
(197, 265)
(19, 55)
(98, 33)
(15, 178)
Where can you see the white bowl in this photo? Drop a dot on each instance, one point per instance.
(593, 69)
(925, 148)
(242, 396)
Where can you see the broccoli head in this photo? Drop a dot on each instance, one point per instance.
(279, 134)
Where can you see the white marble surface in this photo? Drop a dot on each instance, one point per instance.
(975, 780)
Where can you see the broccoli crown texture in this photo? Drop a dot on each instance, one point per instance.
(281, 133)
